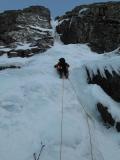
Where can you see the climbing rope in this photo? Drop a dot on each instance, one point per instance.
(61, 125)
(88, 116)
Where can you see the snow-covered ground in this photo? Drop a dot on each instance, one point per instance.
(31, 103)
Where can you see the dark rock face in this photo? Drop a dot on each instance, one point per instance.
(107, 117)
(28, 26)
(118, 126)
(95, 24)
(10, 66)
(110, 84)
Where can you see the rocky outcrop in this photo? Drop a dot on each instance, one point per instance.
(98, 25)
(118, 126)
(9, 66)
(110, 84)
(29, 26)
(107, 116)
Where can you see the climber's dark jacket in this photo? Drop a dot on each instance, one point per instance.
(62, 67)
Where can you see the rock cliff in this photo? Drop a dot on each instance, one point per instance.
(97, 24)
(25, 32)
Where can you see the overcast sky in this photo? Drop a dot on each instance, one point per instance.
(57, 7)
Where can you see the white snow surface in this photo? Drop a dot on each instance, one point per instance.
(4, 49)
(23, 46)
(83, 10)
(40, 28)
(31, 101)
(5, 61)
(63, 21)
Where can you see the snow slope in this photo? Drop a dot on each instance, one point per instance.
(31, 102)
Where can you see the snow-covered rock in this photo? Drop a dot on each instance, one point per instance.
(30, 27)
(97, 24)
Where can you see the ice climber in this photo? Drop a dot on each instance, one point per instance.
(62, 68)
